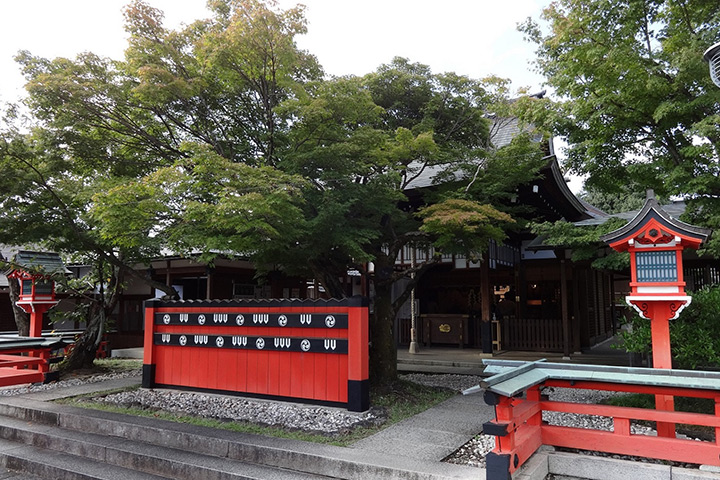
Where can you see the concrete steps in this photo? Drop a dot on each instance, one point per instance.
(52, 464)
(62, 442)
(125, 457)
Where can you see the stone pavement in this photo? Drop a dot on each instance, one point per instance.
(435, 433)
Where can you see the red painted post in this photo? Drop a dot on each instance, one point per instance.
(662, 358)
(717, 414)
(655, 241)
(358, 359)
(148, 371)
(660, 312)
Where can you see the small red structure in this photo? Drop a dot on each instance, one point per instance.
(656, 241)
(23, 359)
(308, 350)
(516, 393)
(37, 289)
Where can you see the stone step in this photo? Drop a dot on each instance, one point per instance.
(166, 448)
(149, 459)
(51, 464)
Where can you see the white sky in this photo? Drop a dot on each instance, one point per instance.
(470, 37)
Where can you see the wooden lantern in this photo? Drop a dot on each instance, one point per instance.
(655, 241)
(37, 289)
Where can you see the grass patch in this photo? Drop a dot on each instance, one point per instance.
(405, 398)
(104, 366)
(394, 404)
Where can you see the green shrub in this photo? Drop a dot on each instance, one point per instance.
(694, 335)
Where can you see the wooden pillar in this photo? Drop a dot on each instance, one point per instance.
(208, 286)
(521, 295)
(168, 279)
(486, 298)
(564, 307)
(660, 312)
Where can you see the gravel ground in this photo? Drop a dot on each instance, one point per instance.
(68, 382)
(310, 418)
(328, 420)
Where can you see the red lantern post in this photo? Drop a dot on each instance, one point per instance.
(37, 290)
(655, 241)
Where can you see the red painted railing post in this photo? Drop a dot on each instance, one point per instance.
(517, 430)
(148, 370)
(358, 358)
(717, 414)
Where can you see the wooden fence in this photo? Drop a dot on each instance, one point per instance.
(543, 335)
(310, 350)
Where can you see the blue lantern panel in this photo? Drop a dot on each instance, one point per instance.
(655, 267)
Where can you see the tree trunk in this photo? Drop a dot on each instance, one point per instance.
(22, 318)
(86, 346)
(383, 352)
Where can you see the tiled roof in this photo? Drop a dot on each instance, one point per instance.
(46, 262)
(502, 131)
(674, 209)
(652, 209)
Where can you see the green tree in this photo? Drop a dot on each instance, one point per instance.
(625, 200)
(121, 158)
(363, 144)
(637, 101)
(584, 241)
(223, 137)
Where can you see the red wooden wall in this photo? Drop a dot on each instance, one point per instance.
(309, 350)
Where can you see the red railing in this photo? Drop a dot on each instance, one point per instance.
(26, 360)
(520, 430)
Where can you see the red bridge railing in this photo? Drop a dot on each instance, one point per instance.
(26, 360)
(516, 393)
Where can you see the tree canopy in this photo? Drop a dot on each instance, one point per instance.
(637, 104)
(223, 137)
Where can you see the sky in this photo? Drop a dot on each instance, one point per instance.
(476, 38)
(470, 37)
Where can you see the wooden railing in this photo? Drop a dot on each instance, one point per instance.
(516, 393)
(26, 360)
(542, 335)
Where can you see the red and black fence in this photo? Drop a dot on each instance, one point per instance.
(309, 350)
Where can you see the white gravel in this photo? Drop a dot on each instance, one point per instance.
(68, 382)
(309, 418)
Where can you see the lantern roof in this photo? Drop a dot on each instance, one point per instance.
(46, 263)
(653, 215)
